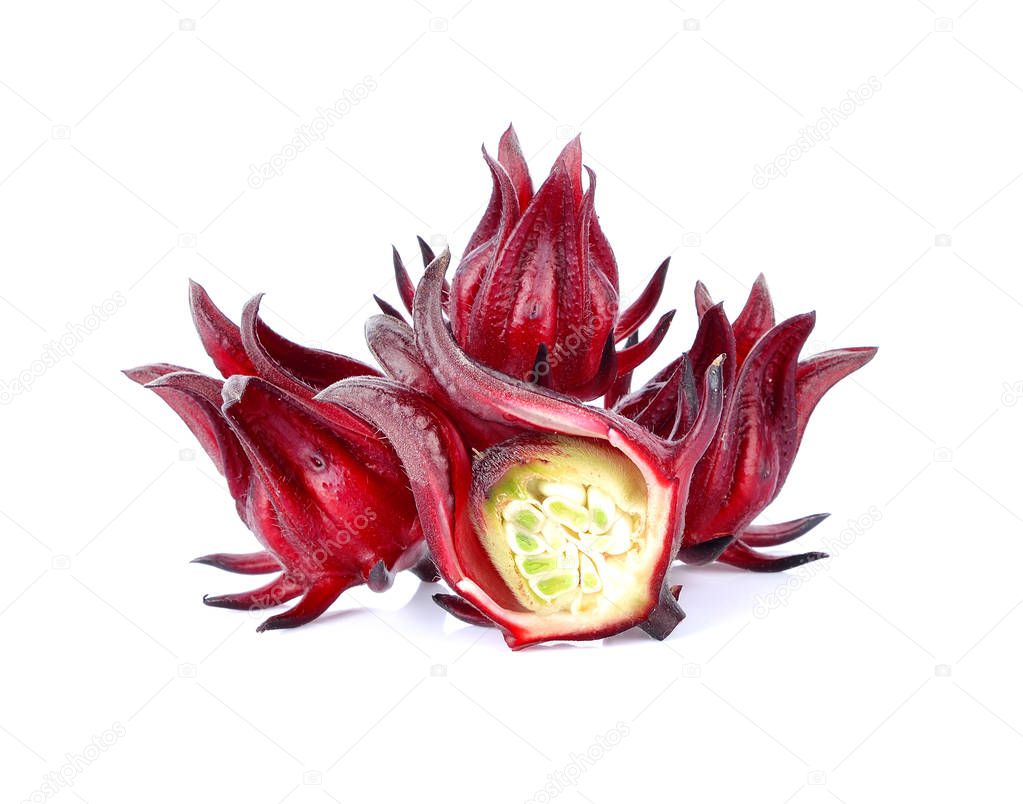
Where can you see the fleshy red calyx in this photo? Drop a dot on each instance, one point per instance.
(536, 293)
(326, 498)
(253, 348)
(583, 446)
(769, 397)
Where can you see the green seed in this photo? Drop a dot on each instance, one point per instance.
(554, 585)
(537, 565)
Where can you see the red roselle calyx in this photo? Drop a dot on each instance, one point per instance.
(769, 396)
(535, 295)
(326, 498)
(474, 453)
(566, 532)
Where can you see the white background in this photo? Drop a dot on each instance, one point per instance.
(128, 132)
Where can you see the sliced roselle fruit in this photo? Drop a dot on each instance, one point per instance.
(563, 532)
(563, 520)
(539, 277)
(769, 395)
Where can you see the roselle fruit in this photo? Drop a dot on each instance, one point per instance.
(324, 496)
(564, 531)
(769, 396)
(536, 294)
(473, 452)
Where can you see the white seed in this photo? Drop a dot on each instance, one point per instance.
(603, 511)
(570, 491)
(555, 535)
(589, 578)
(619, 539)
(570, 558)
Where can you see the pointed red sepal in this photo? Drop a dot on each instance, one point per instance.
(402, 279)
(703, 299)
(502, 210)
(743, 557)
(196, 399)
(714, 337)
(260, 563)
(279, 590)
(705, 552)
(219, 334)
(593, 242)
(298, 369)
(641, 309)
(631, 356)
(316, 600)
(780, 533)
(388, 309)
(571, 160)
(597, 383)
(478, 261)
(511, 158)
(756, 318)
(669, 404)
(816, 375)
(425, 251)
(463, 610)
(622, 385)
